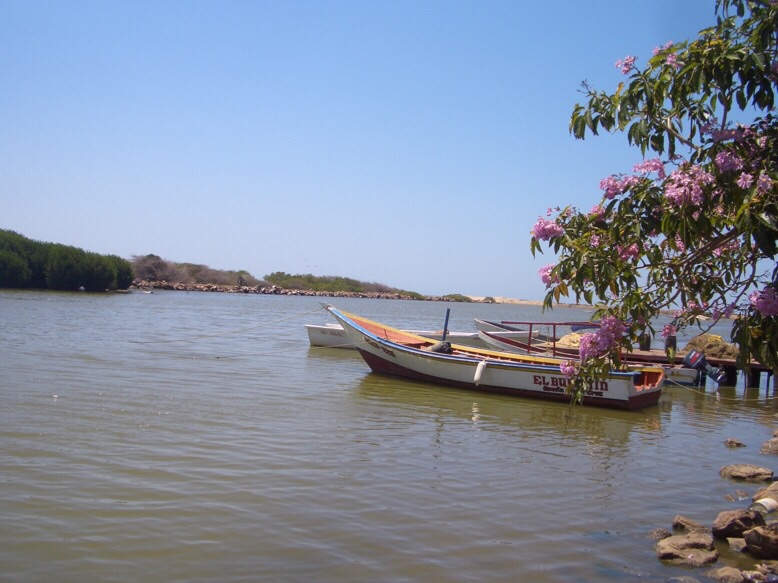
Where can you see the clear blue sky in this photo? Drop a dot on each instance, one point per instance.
(411, 143)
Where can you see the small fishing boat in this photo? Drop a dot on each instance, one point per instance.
(554, 343)
(332, 335)
(391, 351)
(504, 331)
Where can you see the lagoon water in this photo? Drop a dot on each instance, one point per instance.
(197, 437)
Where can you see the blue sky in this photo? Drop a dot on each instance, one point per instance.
(410, 143)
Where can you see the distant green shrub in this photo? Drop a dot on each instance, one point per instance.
(25, 263)
(330, 283)
(458, 298)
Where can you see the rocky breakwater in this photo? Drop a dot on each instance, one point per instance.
(748, 533)
(275, 290)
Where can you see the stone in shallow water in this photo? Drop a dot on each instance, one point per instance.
(747, 472)
(733, 523)
(693, 550)
(762, 541)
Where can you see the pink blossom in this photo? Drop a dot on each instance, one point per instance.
(613, 328)
(672, 61)
(727, 161)
(717, 314)
(764, 184)
(664, 47)
(615, 185)
(594, 241)
(626, 64)
(745, 181)
(731, 246)
(685, 185)
(626, 253)
(679, 245)
(597, 212)
(720, 135)
(692, 306)
(651, 165)
(567, 368)
(765, 302)
(669, 330)
(546, 277)
(594, 345)
(545, 229)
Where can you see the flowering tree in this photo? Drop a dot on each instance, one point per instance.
(694, 225)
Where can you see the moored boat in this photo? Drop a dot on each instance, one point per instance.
(388, 350)
(332, 335)
(552, 343)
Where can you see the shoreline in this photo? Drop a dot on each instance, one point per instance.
(274, 290)
(518, 302)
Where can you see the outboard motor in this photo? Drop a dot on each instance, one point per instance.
(697, 361)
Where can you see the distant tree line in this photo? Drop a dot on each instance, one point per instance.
(154, 268)
(25, 263)
(330, 283)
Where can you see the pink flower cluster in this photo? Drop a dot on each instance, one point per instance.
(545, 229)
(567, 368)
(626, 253)
(615, 185)
(626, 64)
(545, 275)
(764, 184)
(728, 161)
(606, 338)
(669, 330)
(664, 47)
(685, 185)
(651, 165)
(765, 302)
(737, 134)
(597, 212)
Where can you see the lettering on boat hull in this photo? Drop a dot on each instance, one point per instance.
(552, 384)
(377, 346)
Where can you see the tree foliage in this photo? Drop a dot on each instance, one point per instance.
(694, 226)
(154, 268)
(329, 283)
(25, 263)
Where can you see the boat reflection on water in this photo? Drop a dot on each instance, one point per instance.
(556, 423)
(717, 405)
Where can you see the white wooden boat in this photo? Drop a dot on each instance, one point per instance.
(503, 331)
(568, 349)
(392, 351)
(332, 335)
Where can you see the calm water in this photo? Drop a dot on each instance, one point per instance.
(197, 437)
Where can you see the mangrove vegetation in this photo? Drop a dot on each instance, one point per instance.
(25, 263)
